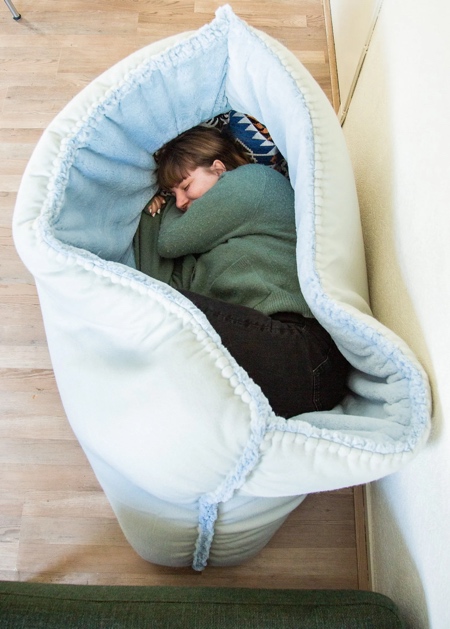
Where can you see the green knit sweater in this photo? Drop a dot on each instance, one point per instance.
(237, 242)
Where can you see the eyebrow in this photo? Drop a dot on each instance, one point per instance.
(177, 185)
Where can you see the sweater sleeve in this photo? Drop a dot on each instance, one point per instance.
(225, 211)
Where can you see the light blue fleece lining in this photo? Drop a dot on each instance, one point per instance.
(108, 157)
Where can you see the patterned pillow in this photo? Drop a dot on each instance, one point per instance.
(220, 122)
(253, 137)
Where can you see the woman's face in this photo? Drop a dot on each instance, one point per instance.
(194, 186)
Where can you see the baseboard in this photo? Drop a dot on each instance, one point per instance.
(361, 503)
(335, 97)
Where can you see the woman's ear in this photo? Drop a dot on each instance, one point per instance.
(218, 167)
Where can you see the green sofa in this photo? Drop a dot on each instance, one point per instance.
(50, 606)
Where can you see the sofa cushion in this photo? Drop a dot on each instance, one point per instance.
(35, 605)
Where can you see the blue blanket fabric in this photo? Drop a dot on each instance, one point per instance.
(109, 159)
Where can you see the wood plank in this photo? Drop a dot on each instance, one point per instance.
(17, 293)
(42, 476)
(12, 268)
(27, 380)
(90, 20)
(74, 504)
(52, 452)
(33, 357)
(25, 404)
(37, 427)
(119, 565)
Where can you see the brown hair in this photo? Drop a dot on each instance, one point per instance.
(199, 146)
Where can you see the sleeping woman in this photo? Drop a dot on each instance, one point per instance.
(228, 228)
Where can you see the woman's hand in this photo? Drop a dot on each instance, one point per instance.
(155, 204)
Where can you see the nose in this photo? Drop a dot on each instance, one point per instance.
(181, 200)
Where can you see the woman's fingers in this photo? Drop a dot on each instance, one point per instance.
(155, 205)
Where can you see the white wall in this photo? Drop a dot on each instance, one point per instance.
(398, 132)
(353, 22)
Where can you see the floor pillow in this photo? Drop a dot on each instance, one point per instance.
(196, 465)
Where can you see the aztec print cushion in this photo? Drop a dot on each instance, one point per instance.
(253, 137)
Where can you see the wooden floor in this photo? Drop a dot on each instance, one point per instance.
(55, 523)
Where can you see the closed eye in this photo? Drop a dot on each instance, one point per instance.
(183, 186)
